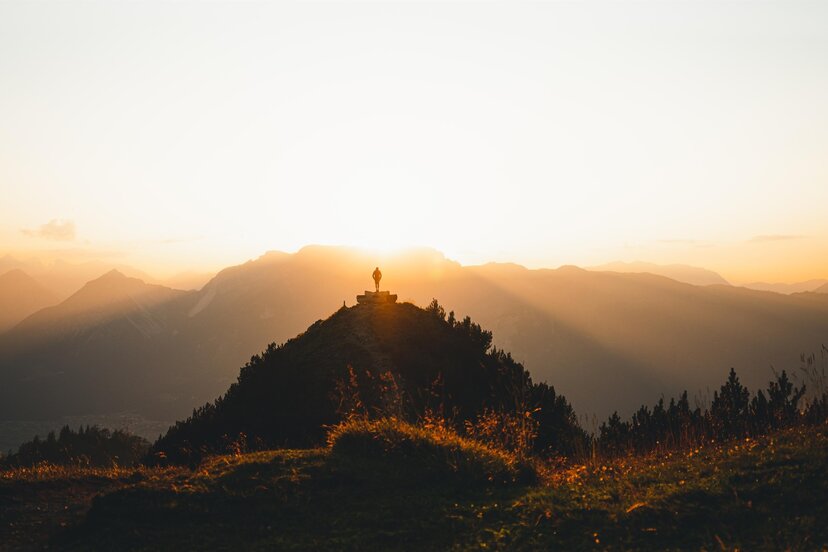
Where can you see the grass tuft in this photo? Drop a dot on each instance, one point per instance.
(425, 454)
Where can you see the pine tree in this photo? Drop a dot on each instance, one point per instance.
(729, 411)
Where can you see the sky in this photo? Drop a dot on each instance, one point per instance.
(194, 135)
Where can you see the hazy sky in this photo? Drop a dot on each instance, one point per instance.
(176, 135)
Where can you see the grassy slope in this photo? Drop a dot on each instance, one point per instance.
(39, 503)
(766, 493)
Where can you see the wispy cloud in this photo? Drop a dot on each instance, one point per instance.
(59, 230)
(774, 237)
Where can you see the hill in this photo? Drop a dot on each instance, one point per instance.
(681, 273)
(822, 289)
(765, 493)
(20, 296)
(394, 358)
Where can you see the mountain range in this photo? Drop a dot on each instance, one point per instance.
(704, 277)
(819, 285)
(606, 340)
(63, 278)
(679, 272)
(27, 286)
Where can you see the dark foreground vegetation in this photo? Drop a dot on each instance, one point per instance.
(765, 493)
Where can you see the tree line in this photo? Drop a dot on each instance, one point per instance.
(88, 446)
(733, 413)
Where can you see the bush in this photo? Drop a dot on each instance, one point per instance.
(426, 453)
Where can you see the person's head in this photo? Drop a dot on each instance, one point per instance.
(376, 268)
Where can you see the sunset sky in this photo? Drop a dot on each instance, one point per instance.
(194, 135)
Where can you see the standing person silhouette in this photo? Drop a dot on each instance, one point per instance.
(377, 275)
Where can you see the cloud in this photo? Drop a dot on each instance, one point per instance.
(773, 238)
(59, 230)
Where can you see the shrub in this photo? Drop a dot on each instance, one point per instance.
(504, 430)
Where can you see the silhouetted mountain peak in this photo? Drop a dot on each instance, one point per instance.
(289, 393)
(113, 281)
(112, 292)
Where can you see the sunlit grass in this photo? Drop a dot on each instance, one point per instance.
(46, 471)
(717, 494)
(429, 452)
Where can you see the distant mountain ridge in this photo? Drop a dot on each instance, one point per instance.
(790, 288)
(109, 296)
(63, 278)
(679, 272)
